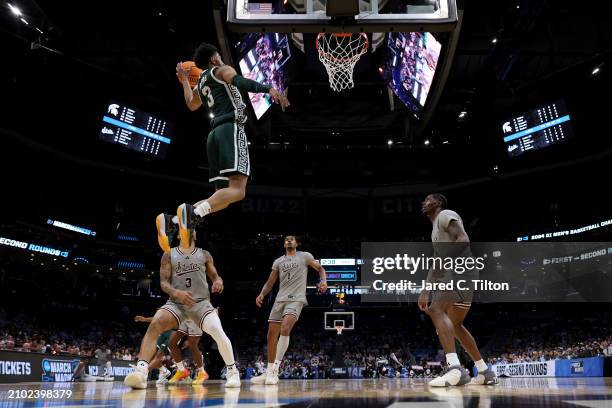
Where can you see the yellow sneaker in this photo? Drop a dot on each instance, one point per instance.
(179, 376)
(166, 231)
(201, 376)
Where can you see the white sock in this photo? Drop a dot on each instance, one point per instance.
(271, 366)
(452, 359)
(142, 365)
(212, 326)
(180, 366)
(481, 365)
(203, 209)
(281, 349)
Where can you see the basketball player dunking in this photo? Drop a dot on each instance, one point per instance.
(183, 274)
(227, 150)
(448, 310)
(292, 269)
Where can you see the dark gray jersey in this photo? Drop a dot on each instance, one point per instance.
(189, 272)
(292, 273)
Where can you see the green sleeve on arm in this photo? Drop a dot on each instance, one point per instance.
(248, 85)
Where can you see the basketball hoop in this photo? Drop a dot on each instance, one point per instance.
(339, 52)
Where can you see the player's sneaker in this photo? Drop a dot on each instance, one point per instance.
(260, 379)
(179, 376)
(162, 378)
(187, 222)
(137, 379)
(453, 375)
(166, 232)
(272, 377)
(88, 378)
(201, 376)
(233, 378)
(108, 378)
(487, 377)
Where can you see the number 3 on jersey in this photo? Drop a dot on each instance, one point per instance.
(188, 282)
(209, 98)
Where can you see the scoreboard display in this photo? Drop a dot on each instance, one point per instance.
(541, 127)
(136, 130)
(341, 269)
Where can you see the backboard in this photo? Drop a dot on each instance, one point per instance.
(309, 16)
(344, 319)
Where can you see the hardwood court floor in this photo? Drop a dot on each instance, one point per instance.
(400, 393)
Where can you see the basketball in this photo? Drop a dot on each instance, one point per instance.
(194, 72)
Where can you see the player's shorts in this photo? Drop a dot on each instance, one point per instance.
(460, 298)
(189, 328)
(280, 309)
(197, 312)
(228, 153)
(162, 342)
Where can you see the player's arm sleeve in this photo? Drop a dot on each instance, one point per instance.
(249, 85)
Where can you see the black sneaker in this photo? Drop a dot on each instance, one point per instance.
(187, 222)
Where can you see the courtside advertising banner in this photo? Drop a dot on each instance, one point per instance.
(18, 367)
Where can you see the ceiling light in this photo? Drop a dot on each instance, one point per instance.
(15, 10)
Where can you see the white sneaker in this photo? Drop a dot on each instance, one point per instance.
(272, 377)
(137, 379)
(108, 378)
(163, 375)
(260, 379)
(487, 377)
(453, 375)
(233, 378)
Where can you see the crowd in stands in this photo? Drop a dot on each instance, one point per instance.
(27, 334)
(312, 355)
(556, 339)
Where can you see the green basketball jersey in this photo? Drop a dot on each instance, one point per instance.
(224, 101)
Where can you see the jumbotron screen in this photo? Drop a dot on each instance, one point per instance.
(136, 130)
(265, 63)
(411, 66)
(541, 127)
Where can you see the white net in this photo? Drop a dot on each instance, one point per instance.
(339, 52)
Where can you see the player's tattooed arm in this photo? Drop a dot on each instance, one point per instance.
(267, 287)
(165, 275)
(314, 264)
(213, 275)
